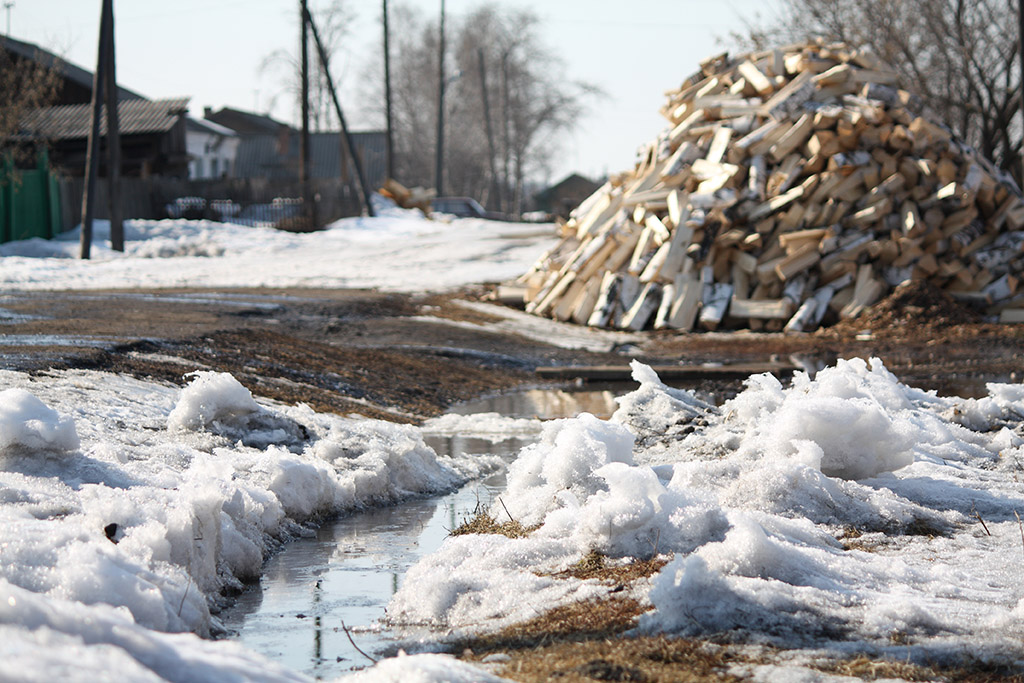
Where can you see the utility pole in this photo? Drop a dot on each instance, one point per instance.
(92, 157)
(387, 95)
(349, 141)
(1020, 44)
(113, 136)
(439, 159)
(7, 6)
(492, 153)
(308, 203)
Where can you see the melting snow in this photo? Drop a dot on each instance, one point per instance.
(840, 513)
(751, 502)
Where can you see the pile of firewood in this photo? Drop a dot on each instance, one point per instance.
(407, 198)
(793, 187)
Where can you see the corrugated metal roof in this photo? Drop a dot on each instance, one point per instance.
(259, 156)
(204, 126)
(135, 117)
(72, 72)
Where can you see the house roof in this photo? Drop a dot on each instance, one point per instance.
(204, 126)
(70, 71)
(72, 121)
(260, 156)
(571, 179)
(245, 122)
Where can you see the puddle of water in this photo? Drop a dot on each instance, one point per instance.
(348, 572)
(55, 340)
(11, 318)
(548, 404)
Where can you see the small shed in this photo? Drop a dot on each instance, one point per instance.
(152, 136)
(565, 195)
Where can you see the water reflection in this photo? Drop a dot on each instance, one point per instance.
(347, 572)
(548, 404)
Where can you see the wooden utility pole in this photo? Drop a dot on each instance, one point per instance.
(113, 137)
(439, 157)
(506, 133)
(349, 142)
(492, 152)
(305, 163)
(387, 95)
(1020, 45)
(92, 157)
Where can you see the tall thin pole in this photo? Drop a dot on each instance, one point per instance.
(506, 133)
(349, 142)
(439, 156)
(304, 158)
(113, 137)
(92, 157)
(387, 94)
(492, 152)
(1020, 45)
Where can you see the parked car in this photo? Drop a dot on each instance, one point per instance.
(464, 207)
(186, 207)
(273, 215)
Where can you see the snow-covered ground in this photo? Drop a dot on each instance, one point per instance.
(844, 513)
(400, 251)
(128, 507)
(752, 501)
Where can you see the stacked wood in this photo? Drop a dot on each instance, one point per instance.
(408, 198)
(792, 187)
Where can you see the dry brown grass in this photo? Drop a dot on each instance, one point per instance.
(585, 641)
(483, 523)
(594, 565)
(660, 658)
(622, 659)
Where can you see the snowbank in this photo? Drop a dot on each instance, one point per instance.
(129, 509)
(399, 251)
(837, 512)
(27, 424)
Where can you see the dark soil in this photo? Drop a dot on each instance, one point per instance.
(406, 357)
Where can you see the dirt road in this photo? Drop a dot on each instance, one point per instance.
(405, 357)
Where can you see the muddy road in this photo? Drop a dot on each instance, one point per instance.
(406, 357)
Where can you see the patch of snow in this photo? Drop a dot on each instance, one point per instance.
(397, 251)
(118, 535)
(833, 513)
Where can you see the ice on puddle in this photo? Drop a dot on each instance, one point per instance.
(27, 424)
(655, 410)
(839, 508)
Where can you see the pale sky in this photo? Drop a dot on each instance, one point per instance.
(211, 51)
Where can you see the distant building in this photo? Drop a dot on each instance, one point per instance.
(76, 82)
(270, 149)
(212, 149)
(565, 195)
(153, 135)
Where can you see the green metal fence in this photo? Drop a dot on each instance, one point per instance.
(29, 202)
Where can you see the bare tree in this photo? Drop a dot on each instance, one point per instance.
(24, 85)
(958, 56)
(333, 22)
(529, 100)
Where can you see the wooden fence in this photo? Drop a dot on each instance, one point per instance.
(251, 201)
